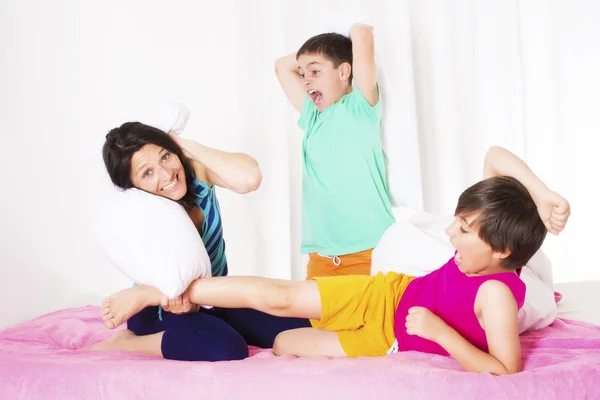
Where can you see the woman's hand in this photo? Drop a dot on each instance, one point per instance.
(181, 142)
(179, 305)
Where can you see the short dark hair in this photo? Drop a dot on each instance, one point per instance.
(507, 218)
(333, 46)
(124, 141)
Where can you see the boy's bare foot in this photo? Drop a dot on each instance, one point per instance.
(117, 342)
(122, 305)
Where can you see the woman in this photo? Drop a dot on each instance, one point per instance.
(138, 155)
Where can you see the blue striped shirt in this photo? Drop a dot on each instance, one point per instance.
(212, 228)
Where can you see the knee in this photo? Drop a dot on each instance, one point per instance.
(281, 343)
(203, 345)
(144, 322)
(279, 298)
(232, 347)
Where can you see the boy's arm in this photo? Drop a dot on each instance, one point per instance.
(286, 69)
(554, 209)
(499, 314)
(498, 310)
(363, 61)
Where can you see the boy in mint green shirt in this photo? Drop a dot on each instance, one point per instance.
(345, 206)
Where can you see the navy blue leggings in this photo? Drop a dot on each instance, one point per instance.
(212, 335)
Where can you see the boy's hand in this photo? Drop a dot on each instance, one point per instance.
(359, 25)
(341, 23)
(554, 211)
(422, 322)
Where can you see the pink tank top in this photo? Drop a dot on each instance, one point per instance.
(449, 294)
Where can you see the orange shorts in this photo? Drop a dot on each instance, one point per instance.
(348, 264)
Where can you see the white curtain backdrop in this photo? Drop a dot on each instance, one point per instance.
(463, 75)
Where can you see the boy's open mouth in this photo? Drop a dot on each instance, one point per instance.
(316, 96)
(457, 258)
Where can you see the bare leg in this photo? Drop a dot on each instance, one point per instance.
(126, 340)
(308, 342)
(277, 297)
(121, 306)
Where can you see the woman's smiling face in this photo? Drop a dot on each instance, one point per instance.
(158, 171)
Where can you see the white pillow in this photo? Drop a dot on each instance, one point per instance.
(417, 244)
(151, 240)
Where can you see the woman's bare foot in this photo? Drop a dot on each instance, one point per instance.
(117, 342)
(122, 305)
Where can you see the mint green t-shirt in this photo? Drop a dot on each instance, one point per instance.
(345, 206)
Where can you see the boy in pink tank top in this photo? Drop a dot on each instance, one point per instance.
(467, 308)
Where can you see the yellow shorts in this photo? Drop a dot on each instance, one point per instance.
(347, 264)
(361, 309)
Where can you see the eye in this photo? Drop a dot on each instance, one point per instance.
(147, 173)
(315, 72)
(301, 76)
(166, 157)
(462, 230)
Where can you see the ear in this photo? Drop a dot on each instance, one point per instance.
(501, 255)
(344, 70)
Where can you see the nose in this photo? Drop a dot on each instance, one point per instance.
(165, 173)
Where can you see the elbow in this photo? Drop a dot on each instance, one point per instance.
(493, 149)
(251, 182)
(280, 65)
(277, 66)
(489, 153)
(500, 372)
(504, 370)
(492, 152)
(489, 170)
(254, 180)
(286, 64)
(513, 370)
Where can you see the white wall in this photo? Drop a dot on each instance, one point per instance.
(69, 70)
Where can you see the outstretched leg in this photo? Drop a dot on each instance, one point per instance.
(282, 298)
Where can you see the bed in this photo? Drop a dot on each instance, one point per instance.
(40, 359)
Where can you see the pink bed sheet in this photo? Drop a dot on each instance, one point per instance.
(40, 359)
